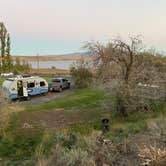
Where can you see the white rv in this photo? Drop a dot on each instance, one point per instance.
(23, 87)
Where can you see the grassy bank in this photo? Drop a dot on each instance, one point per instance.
(80, 99)
(76, 115)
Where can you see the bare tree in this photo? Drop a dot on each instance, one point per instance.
(122, 65)
(126, 57)
(8, 55)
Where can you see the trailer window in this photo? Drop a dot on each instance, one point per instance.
(56, 80)
(31, 85)
(42, 83)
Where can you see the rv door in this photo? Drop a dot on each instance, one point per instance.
(20, 88)
(25, 89)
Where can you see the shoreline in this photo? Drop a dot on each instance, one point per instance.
(50, 71)
(69, 57)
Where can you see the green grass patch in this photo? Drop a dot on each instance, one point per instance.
(80, 99)
(85, 128)
(136, 122)
(125, 129)
(18, 146)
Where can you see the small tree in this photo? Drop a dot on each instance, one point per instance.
(6, 62)
(21, 67)
(81, 74)
(8, 56)
(25, 66)
(3, 33)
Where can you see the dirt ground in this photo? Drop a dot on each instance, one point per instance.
(2, 101)
(33, 122)
(36, 121)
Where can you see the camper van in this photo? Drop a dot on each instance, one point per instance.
(24, 87)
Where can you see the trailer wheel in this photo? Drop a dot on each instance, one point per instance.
(28, 98)
(44, 94)
(68, 86)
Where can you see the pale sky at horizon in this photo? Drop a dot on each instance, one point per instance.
(63, 26)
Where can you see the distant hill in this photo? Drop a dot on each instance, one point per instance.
(65, 57)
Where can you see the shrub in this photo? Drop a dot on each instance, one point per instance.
(81, 74)
(152, 155)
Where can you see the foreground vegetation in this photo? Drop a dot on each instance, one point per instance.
(22, 142)
(68, 131)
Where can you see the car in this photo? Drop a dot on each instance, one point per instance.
(59, 84)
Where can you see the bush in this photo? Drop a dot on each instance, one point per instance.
(152, 155)
(81, 75)
(153, 151)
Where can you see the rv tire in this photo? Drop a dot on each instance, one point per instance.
(28, 98)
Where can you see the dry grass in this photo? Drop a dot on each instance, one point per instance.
(151, 154)
(2, 100)
(158, 128)
(39, 153)
(92, 150)
(154, 151)
(5, 113)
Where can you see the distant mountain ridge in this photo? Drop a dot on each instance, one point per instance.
(64, 57)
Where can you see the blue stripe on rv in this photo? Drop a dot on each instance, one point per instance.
(36, 91)
(33, 92)
(13, 96)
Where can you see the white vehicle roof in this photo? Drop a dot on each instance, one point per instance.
(22, 77)
(7, 83)
(59, 78)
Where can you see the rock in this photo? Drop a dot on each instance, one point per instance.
(27, 126)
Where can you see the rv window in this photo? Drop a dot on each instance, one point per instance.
(56, 80)
(42, 83)
(31, 85)
(10, 79)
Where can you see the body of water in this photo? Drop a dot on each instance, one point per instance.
(49, 64)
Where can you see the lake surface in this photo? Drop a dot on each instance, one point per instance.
(49, 64)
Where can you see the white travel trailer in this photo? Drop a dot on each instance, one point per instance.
(24, 87)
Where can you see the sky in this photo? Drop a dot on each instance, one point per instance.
(64, 26)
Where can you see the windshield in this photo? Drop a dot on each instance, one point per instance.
(56, 80)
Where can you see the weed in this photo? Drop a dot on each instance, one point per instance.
(151, 154)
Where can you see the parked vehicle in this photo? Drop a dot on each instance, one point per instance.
(58, 84)
(24, 87)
